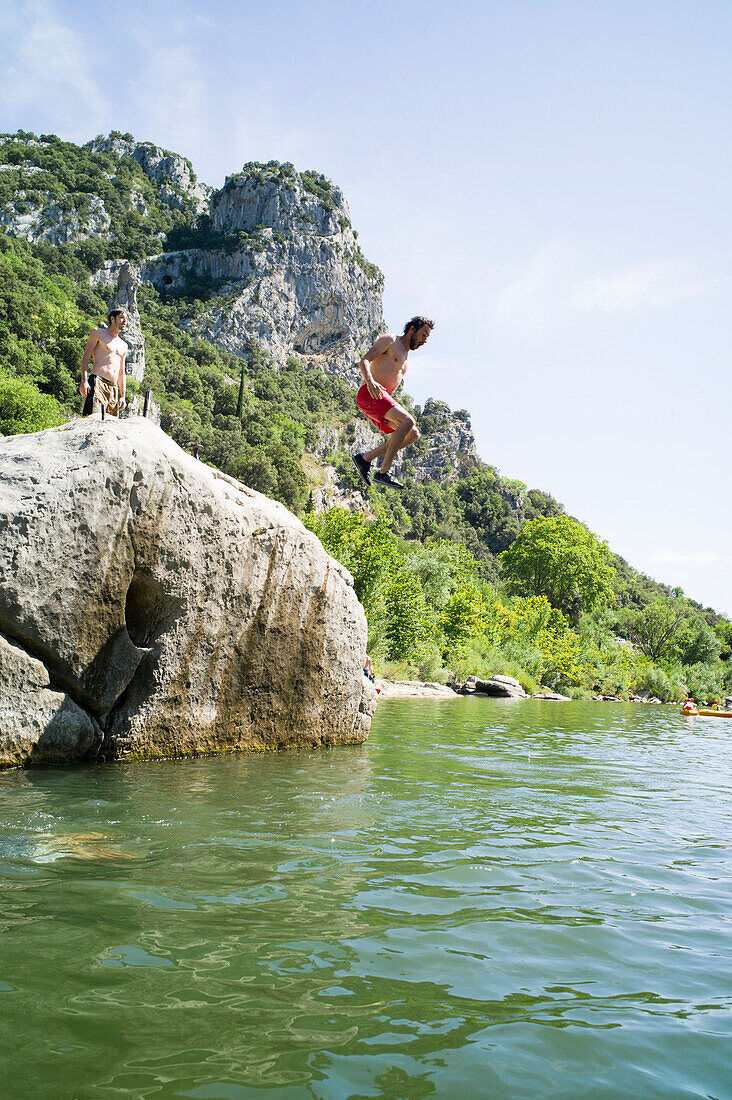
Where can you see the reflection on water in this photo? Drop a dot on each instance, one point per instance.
(486, 899)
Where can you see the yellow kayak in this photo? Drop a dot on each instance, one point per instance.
(706, 712)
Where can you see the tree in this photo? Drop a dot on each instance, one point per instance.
(406, 619)
(367, 549)
(464, 615)
(723, 630)
(656, 628)
(699, 644)
(559, 558)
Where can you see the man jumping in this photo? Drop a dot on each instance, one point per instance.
(383, 368)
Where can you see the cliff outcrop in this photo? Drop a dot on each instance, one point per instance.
(151, 606)
(54, 191)
(283, 267)
(178, 186)
(447, 442)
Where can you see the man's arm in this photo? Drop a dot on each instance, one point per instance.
(374, 352)
(122, 377)
(88, 351)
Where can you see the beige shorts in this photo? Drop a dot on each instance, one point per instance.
(106, 396)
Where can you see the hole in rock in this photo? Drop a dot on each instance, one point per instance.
(148, 611)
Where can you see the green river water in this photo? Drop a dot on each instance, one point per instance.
(489, 898)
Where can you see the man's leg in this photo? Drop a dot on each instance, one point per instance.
(99, 401)
(405, 432)
(377, 452)
(106, 398)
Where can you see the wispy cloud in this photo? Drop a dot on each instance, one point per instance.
(423, 367)
(653, 284)
(676, 557)
(47, 69)
(531, 300)
(180, 99)
(549, 289)
(167, 101)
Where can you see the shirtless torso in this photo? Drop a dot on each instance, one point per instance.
(107, 354)
(386, 361)
(106, 351)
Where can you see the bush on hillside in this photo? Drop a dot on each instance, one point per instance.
(23, 408)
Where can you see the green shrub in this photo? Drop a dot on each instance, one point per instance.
(23, 408)
(705, 682)
(659, 683)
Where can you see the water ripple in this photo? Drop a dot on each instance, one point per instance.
(484, 900)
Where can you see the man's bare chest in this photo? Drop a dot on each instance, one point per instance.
(394, 361)
(111, 348)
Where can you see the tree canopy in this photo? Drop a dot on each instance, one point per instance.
(559, 558)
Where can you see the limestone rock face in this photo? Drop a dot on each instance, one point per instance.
(38, 214)
(41, 219)
(289, 267)
(36, 723)
(274, 248)
(448, 441)
(182, 611)
(179, 188)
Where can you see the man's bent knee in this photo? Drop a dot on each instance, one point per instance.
(400, 420)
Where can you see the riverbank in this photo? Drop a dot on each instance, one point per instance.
(418, 689)
(495, 687)
(413, 689)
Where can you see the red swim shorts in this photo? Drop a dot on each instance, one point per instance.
(376, 408)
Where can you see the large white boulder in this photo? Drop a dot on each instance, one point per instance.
(503, 687)
(184, 612)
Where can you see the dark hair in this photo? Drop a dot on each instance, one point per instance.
(114, 312)
(418, 322)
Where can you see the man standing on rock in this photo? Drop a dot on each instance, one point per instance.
(105, 388)
(383, 367)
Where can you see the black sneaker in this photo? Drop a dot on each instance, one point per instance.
(363, 467)
(386, 479)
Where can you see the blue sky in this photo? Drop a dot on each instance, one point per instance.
(549, 180)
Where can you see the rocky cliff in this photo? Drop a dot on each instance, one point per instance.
(151, 606)
(58, 192)
(272, 256)
(447, 441)
(279, 251)
(178, 186)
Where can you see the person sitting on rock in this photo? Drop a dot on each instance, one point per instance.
(104, 391)
(383, 367)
